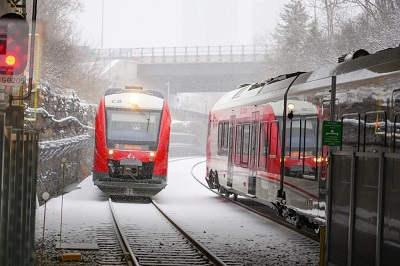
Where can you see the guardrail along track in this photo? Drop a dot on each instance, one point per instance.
(153, 239)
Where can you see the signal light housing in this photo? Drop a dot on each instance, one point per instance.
(14, 38)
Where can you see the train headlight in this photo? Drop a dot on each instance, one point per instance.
(318, 159)
(151, 155)
(133, 100)
(111, 153)
(291, 106)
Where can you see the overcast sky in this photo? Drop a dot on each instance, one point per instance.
(158, 23)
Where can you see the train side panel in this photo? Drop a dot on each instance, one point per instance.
(161, 158)
(217, 159)
(100, 167)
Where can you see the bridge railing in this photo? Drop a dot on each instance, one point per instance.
(186, 54)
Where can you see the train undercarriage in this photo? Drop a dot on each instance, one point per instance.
(286, 213)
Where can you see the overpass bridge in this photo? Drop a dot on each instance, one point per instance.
(192, 79)
(184, 69)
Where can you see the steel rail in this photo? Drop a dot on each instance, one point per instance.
(213, 258)
(130, 255)
(126, 249)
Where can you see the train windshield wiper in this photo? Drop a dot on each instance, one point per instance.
(145, 118)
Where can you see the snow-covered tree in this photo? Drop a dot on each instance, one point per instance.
(291, 36)
(379, 9)
(376, 27)
(62, 56)
(336, 27)
(292, 32)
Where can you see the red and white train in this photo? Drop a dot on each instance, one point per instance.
(132, 134)
(266, 140)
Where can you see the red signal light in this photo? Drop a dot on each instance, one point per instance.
(10, 60)
(14, 38)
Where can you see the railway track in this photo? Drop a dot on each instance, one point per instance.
(149, 237)
(235, 236)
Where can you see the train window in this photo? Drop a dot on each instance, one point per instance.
(375, 130)
(351, 131)
(128, 129)
(302, 138)
(223, 130)
(293, 139)
(219, 136)
(225, 136)
(310, 137)
(253, 144)
(245, 144)
(262, 158)
(302, 145)
(273, 138)
(238, 144)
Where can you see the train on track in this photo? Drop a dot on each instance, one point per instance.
(270, 141)
(132, 132)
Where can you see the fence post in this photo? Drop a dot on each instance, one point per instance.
(2, 196)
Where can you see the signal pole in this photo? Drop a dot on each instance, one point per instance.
(102, 23)
(167, 92)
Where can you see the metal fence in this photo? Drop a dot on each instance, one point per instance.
(18, 159)
(365, 194)
(56, 148)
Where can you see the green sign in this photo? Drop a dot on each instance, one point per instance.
(331, 133)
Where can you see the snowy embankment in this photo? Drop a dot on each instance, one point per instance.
(65, 126)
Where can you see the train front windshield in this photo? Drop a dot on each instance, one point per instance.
(132, 130)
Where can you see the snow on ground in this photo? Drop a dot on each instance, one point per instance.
(248, 237)
(242, 233)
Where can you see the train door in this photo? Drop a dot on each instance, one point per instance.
(253, 153)
(263, 146)
(273, 161)
(231, 153)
